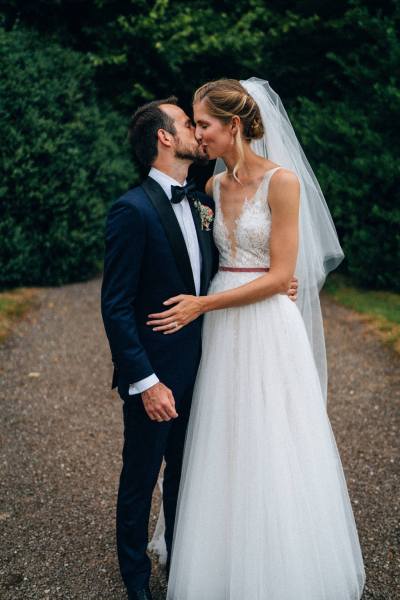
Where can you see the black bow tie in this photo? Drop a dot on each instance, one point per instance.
(181, 192)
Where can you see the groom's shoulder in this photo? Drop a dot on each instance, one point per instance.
(135, 197)
(133, 200)
(132, 207)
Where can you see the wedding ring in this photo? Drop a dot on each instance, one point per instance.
(174, 325)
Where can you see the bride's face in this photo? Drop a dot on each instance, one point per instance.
(213, 135)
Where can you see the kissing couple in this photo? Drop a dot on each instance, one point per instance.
(221, 373)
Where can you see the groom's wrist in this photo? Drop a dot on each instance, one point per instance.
(144, 384)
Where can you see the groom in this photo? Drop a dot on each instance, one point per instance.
(156, 247)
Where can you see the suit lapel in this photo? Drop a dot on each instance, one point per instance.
(172, 230)
(204, 249)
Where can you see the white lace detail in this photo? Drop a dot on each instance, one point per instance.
(248, 244)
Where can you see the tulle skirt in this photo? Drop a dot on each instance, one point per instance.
(263, 510)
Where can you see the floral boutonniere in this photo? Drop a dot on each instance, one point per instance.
(206, 214)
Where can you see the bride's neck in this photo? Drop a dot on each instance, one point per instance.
(246, 168)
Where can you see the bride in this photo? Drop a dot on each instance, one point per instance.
(263, 510)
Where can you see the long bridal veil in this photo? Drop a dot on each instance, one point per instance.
(319, 248)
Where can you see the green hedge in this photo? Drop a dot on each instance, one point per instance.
(63, 159)
(335, 65)
(358, 168)
(353, 142)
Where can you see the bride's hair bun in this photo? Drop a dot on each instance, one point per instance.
(256, 130)
(227, 98)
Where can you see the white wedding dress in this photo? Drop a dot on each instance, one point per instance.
(263, 510)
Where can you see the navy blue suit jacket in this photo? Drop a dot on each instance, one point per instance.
(146, 262)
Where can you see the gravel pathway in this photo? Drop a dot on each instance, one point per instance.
(61, 438)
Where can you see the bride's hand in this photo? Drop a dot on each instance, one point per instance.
(187, 308)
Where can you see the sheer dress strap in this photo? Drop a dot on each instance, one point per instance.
(217, 186)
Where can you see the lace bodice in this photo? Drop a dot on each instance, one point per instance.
(248, 244)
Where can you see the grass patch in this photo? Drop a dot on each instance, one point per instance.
(380, 309)
(14, 304)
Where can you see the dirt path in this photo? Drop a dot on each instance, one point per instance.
(61, 438)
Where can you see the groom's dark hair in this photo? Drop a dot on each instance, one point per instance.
(143, 128)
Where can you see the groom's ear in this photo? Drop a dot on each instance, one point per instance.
(165, 137)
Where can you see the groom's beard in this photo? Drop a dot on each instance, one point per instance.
(196, 155)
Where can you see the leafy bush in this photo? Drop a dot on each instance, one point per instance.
(359, 174)
(336, 66)
(62, 161)
(353, 143)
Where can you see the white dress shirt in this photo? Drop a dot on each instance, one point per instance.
(185, 219)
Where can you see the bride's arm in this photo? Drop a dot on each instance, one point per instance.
(284, 198)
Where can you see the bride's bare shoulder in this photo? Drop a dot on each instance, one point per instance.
(284, 177)
(284, 188)
(209, 187)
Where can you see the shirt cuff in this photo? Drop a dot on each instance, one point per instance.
(144, 384)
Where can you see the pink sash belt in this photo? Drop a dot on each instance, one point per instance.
(245, 269)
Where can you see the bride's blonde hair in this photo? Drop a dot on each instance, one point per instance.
(227, 98)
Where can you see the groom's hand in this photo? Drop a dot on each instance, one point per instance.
(292, 291)
(159, 403)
